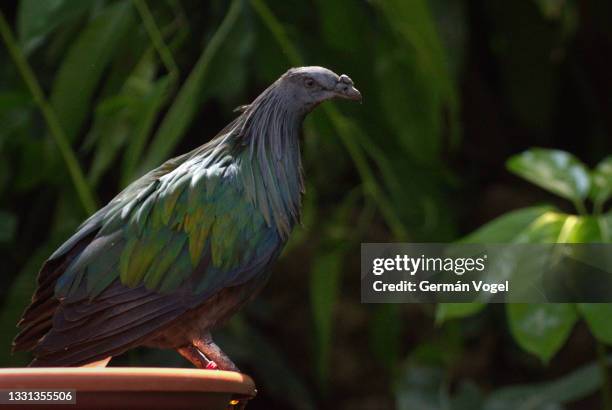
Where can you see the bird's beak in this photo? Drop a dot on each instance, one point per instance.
(346, 89)
(351, 93)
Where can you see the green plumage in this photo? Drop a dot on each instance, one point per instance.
(164, 229)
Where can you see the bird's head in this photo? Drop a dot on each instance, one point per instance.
(309, 86)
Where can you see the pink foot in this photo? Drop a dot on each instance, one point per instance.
(212, 365)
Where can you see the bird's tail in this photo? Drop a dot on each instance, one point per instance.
(37, 319)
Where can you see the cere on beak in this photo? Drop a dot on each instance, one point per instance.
(346, 89)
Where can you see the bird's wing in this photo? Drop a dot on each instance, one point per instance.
(161, 247)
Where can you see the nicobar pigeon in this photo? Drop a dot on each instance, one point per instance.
(185, 246)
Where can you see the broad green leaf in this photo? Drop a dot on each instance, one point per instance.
(36, 19)
(556, 171)
(447, 311)
(324, 289)
(597, 316)
(601, 190)
(507, 227)
(83, 66)
(580, 383)
(545, 229)
(541, 329)
(585, 229)
(8, 224)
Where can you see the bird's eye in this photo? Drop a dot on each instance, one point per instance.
(309, 82)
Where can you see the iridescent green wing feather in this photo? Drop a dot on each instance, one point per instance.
(192, 223)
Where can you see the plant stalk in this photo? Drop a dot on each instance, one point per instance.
(579, 205)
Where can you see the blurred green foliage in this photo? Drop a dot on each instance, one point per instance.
(94, 93)
(543, 329)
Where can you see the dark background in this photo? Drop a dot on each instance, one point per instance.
(451, 90)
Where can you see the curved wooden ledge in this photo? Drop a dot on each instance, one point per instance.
(128, 387)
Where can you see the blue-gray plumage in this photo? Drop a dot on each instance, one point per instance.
(186, 245)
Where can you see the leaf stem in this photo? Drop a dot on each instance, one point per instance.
(579, 205)
(83, 190)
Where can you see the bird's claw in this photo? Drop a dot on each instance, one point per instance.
(212, 365)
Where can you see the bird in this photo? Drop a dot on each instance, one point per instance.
(182, 248)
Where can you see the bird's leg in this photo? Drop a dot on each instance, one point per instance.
(197, 358)
(207, 346)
